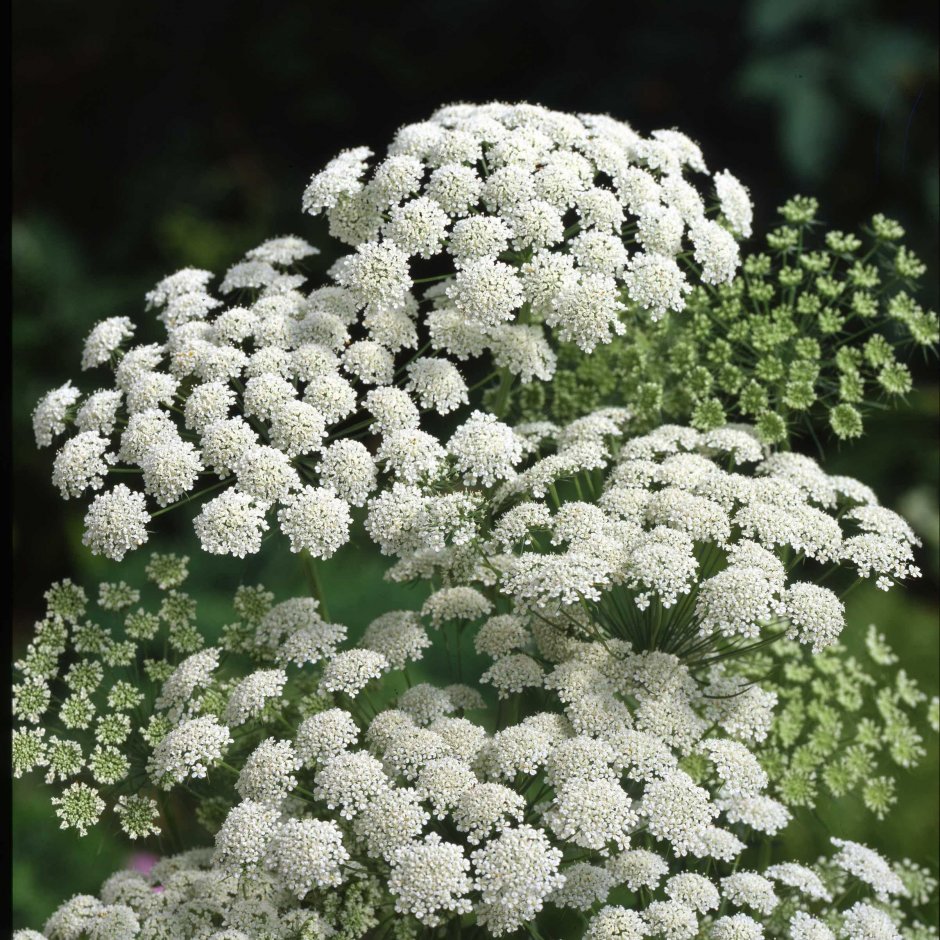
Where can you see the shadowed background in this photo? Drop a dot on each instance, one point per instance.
(148, 138)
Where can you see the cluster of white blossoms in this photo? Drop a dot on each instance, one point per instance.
(679, 540)
(185, 897)
(534, 212)
(267, 400)
(622, 790)
(267, 385)
(618, 740)
(620, 777)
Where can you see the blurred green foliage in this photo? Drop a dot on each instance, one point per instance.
(808, 60)
(148, 137)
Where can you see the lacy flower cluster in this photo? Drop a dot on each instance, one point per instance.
(272, 390)
(536, 213)
(267, 403)
(684, 541)
(806, 339)
(615, 789)
(627, 675)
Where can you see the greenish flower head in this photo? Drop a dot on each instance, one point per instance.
(807, 339)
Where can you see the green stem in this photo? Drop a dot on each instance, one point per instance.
(189, 498)
(657, 624)
(313, 579)
(850, 588)
(167, 816)
(483, 382)
(502, 393)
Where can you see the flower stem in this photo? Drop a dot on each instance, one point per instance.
(502, 393)
(313, 580)
(191, 497)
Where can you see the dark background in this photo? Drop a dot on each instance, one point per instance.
(152, 136)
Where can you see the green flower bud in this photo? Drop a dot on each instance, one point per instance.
(878, 351)
(845, 422)
(84, 676)
(67, 601)
(886, 229)
(895, 378)
(117, 596)
(783, 239)
(124, 697)
(771, 428)
(851, 386)
(865, 276)
(808, 303)
(830, 321)
(167, 571)
(138, 815)
(799, 210)
(842, 243)
(815, 261)
(708, 414)
(108, 765)
(864, 305)
(77, 711)
(828, 287)
(908, 265)
(28, 750)
(141, 625)
(79, 807)
(800, 396)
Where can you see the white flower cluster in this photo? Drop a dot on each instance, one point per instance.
(343, 796)
(534, 210)
(610, 770)
(186, 896)
(610, 773)
(607, 785)
(685, 541)
(265, 384)
(267, 400)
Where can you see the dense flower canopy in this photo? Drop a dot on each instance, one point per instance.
(621, 768)
(622, 677)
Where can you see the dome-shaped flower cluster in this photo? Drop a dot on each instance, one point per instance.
(533, 211)
(267, 385)
(263, 414)
(679, 540)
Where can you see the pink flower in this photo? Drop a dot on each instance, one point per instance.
(144, 862)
